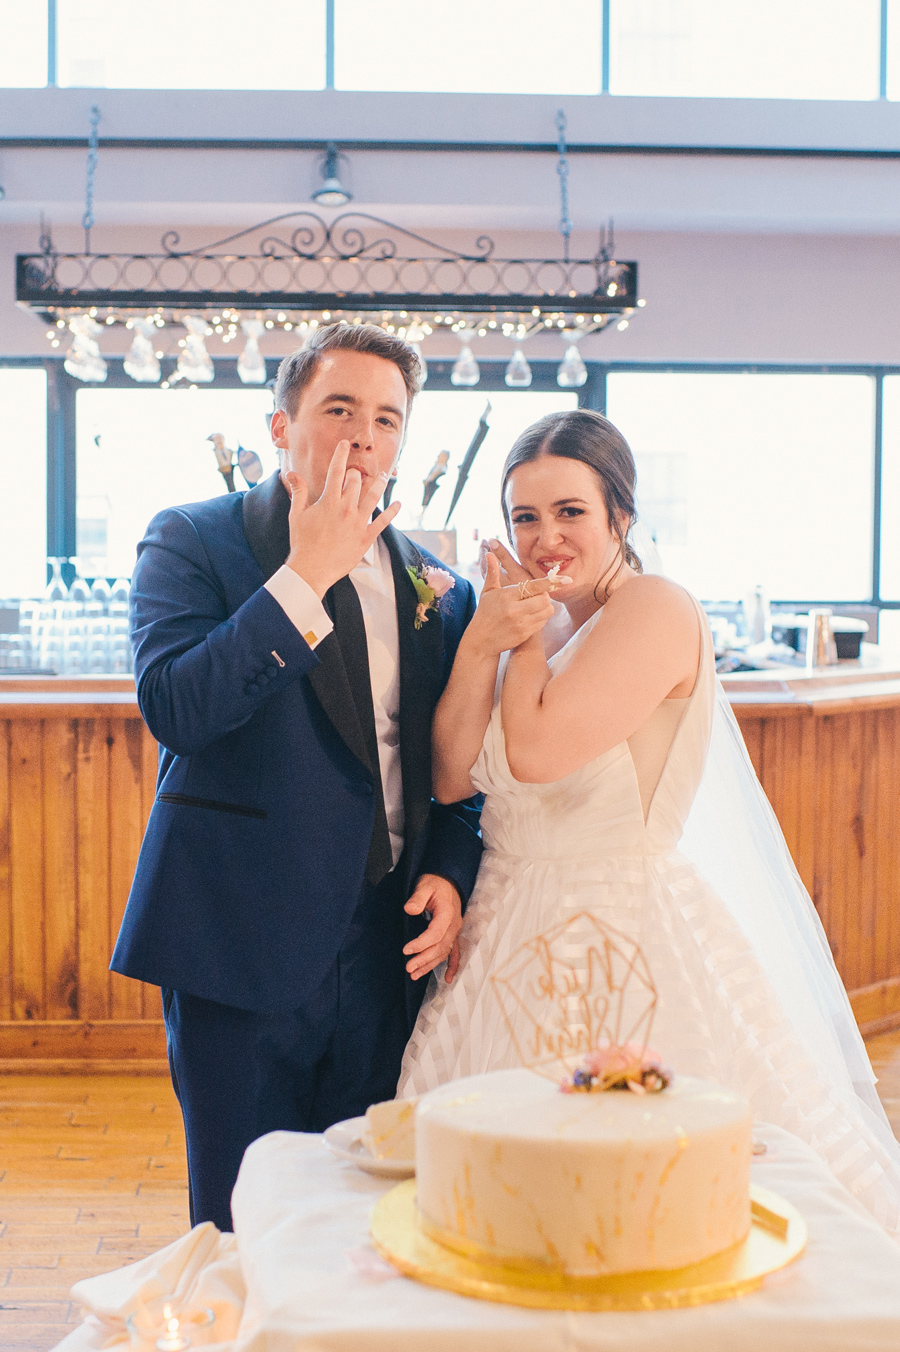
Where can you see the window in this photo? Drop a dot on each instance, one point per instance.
(890, 491)
(447, 420)
(755, 479)
(23, 481)
(469, 46)
(142, 450)
(23, 50)
(192, 44)
(772, 49)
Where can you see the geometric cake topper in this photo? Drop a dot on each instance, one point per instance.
(572, 990)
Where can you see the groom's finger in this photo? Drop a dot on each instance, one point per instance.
(429, 958)
(452, 962)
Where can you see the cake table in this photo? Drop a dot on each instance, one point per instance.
(314, 1283)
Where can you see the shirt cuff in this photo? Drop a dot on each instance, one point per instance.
(301, 605)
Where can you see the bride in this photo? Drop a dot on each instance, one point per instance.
(617, 785)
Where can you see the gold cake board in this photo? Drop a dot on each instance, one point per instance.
(777, 1236)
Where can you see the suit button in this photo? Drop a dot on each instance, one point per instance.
(262, 678)
(271, 672)
(251, 688)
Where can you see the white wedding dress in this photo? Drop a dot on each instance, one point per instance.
(605, 840)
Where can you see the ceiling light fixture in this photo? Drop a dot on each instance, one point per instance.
(332, 192)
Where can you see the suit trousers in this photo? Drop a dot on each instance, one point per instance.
(239, 1075)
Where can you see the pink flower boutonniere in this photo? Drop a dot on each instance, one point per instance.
(430, 584)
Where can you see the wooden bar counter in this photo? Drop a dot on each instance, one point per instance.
(826, 747)
(77, 778)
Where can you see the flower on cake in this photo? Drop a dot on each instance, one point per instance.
(629, 1066)
(431, 584)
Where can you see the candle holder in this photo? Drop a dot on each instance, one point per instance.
(163, 1324)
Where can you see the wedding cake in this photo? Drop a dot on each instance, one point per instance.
(511, 1170)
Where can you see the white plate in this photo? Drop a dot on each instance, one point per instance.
(344, 1139)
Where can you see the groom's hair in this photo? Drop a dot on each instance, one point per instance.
(297, 370)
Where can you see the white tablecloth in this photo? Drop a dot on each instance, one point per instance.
(314, 1284)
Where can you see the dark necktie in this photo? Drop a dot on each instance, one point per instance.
(350, 631)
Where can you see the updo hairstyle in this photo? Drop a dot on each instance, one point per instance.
(581, 434)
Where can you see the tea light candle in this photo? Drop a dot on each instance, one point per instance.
(173, 1340)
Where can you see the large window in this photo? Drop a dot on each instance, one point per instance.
(745, 477)
(191, 44)
(23, 47)
(142, 450)
(750, 479)
(23, 481)
(504, 46)
(791, 49)
(774, 49)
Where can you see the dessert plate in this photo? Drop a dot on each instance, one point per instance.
(345, 1139)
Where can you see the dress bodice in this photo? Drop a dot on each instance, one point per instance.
(598, 809)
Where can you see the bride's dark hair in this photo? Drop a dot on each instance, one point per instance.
(581, 434)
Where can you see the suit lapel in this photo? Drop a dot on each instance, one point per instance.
(265, 522)
(421, 660)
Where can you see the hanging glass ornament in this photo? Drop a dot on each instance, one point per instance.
(465, 369)
(251, 364)
(518, 372)
(83, 359)
(195, 363)
(142, 363)
(572, 370)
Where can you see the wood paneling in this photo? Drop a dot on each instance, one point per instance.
(77, 783)
(833, 777)
(75, 793)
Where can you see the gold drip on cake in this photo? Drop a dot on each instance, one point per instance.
(777, 1236)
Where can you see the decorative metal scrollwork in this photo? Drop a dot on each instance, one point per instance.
(331, 269)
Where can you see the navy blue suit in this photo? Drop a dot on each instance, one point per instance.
(250, 905)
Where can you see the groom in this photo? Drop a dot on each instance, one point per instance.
(293, 854)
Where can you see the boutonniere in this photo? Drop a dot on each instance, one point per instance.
(430, 584)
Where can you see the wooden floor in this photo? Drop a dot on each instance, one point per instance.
(92, 1176)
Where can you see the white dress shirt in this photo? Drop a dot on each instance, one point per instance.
(374, 582)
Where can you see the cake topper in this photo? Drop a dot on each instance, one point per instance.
(579, 1000)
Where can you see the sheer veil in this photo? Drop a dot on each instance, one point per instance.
(733, 838)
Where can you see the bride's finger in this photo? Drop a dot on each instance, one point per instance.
(530, 587)
(508, 562)
(491, 574)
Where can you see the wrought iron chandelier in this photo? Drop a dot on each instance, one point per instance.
(298, 271)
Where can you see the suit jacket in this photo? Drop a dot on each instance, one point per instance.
(255, 851)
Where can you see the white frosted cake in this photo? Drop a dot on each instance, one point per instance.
(511, 1170)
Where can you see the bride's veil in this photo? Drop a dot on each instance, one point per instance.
(733, 837)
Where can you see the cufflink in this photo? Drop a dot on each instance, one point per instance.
(310, 638)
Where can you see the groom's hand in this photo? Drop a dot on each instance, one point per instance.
(331, 535)
(438, 941)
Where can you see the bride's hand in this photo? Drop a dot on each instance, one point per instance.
(508, 616)
(511, 571)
